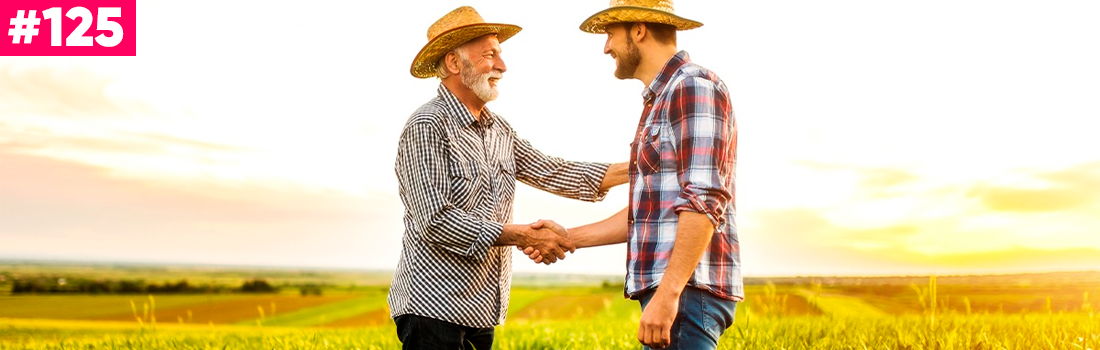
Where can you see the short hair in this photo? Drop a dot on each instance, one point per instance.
(441, 65)
(663, 33)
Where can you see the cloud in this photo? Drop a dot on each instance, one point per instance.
(1028, 200)
(811, 227)
(878, 178)
(805, 242)
(801, 241)
(870, 179)
(58, 209)
(35, 188)
(1062, 190)
(1023, 259)
(1002, 260)
(36, 139)
(72, 93)
(124, 151)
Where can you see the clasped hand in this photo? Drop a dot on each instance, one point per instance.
(549, 243)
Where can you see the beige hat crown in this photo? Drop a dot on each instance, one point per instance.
(648, 11)
(452, 30)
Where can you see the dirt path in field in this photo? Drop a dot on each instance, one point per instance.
(231, 311)
(564, 307)
(369, 319)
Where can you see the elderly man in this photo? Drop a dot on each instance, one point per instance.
(683, 257)
(457, 166)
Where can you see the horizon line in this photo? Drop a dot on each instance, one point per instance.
(123, 263)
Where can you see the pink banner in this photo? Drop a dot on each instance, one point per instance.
(68, 28)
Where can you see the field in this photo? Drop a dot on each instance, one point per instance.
(1039, 311)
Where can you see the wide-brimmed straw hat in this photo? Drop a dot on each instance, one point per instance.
(451, 31)
(648, 11)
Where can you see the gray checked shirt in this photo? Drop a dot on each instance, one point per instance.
(457, 177)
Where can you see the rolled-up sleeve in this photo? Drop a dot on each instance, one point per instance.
(701, 121)
(425, 186)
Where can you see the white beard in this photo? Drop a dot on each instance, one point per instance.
(480, 82)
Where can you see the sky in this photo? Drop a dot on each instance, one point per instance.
(876, 137)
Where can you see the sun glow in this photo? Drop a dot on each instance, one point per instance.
(869, 144)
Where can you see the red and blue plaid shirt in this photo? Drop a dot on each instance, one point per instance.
(683, 159)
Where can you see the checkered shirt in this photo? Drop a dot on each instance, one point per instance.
(683, 159)
(456, 177)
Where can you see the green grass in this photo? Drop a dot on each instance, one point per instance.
(77, 307)
(846, 306)
(522, 297)
(38, 335)
(607, 330)
(316, 316)
(1052, 311)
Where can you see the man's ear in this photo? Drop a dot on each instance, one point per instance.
(638, 31)
(452, 64)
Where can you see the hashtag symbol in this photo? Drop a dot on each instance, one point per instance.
(23, 26)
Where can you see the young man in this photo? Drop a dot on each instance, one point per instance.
(457, 166)
(683, 261)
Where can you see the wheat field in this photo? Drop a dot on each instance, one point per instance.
(1042, 311)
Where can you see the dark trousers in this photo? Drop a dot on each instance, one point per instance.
(425, 333)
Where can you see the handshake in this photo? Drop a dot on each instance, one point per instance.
(546, 242)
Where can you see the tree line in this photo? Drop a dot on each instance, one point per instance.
(62, 285)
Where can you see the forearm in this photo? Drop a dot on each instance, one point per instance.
(569, 179)
(617, 174)
(455, 230)
(442, 224)
(549, 240)
(513, 234)
(693, 234)
(575, 180)
(608, 231)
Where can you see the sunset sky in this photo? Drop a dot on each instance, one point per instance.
(876, 137)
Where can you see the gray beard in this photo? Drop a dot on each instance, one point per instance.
(479, 83)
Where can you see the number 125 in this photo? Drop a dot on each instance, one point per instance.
(77, 38)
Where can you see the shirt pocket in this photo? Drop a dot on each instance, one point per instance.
(508, 170)
(506, 182)
(655, 149)
(463, 184)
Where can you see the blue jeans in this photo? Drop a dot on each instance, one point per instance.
(425, 333)
(702, 319)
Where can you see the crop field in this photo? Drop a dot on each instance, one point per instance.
(1043, 311)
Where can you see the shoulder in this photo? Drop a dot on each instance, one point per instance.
(700, 89)
(504, 125)
(699, 78)
(433, 112)
(430, 117)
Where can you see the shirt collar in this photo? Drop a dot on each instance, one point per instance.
(458, 111)
(671, 67)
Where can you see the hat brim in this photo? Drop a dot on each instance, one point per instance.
(621, 14)
(423, 66)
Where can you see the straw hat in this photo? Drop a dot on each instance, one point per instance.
(454, 29)
(648, 11)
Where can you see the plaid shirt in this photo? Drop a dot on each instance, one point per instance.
(683, 159)
(457, 176)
